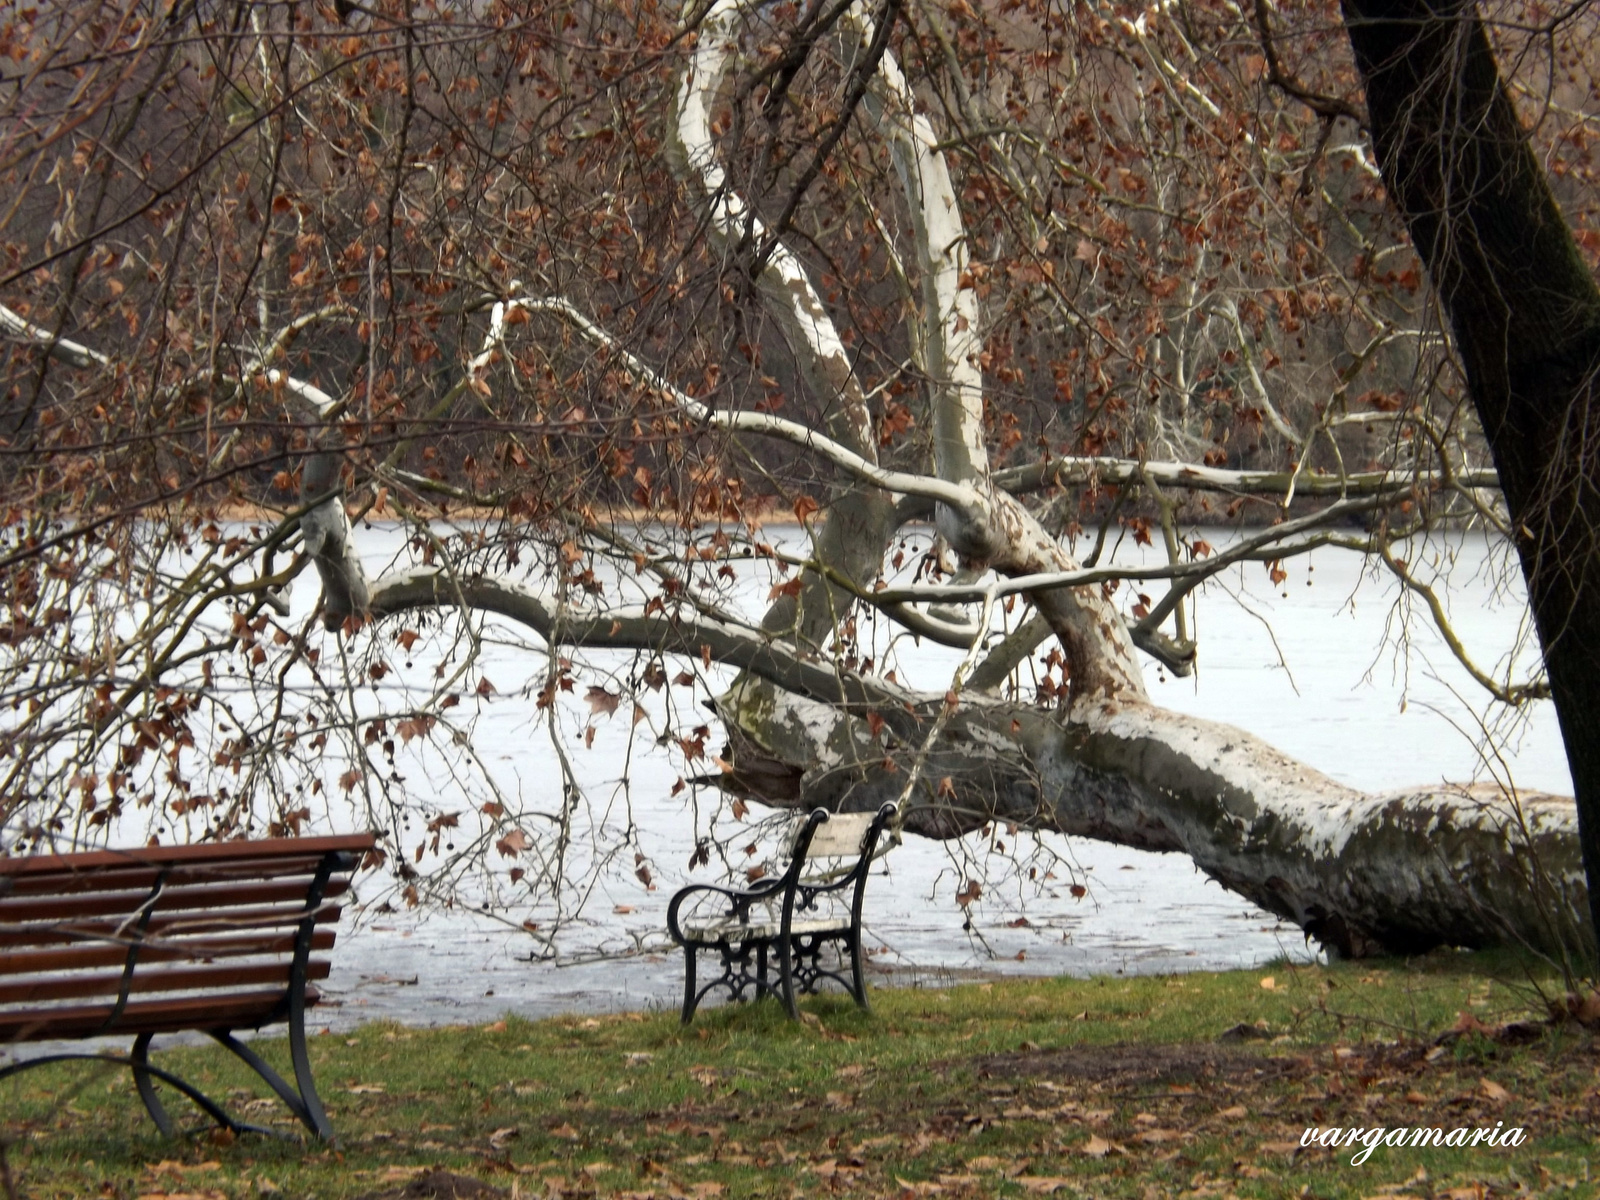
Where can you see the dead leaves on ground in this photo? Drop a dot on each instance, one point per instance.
(170, 1173)
(1028, 1122)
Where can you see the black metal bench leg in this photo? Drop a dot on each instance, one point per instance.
(318, 1121)
(147, 1089)
(143, 1077)
(143, 1074)
(689, 998)
(295, 1101)
(858, 974)
(786, 977)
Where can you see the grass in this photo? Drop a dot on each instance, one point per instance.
(1109, 1087)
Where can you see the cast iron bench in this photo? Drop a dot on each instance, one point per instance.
(215, 938)
(795, 914)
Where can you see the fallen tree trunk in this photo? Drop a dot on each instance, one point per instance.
(1397, 873)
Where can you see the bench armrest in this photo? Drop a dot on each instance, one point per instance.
(739, 900)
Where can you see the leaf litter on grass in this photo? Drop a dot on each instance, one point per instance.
(970, 1092)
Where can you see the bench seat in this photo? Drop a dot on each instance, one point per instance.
(744, 931)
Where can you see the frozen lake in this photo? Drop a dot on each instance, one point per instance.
(1331, 666)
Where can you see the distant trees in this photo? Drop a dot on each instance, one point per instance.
(581, 295)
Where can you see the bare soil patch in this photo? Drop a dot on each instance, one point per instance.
(440, 1185)
(1129, 1065)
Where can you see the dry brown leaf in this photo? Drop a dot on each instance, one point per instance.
(1586, 1010)
(1234, 1113)
(987, 1162)
(601, 701)
(1153, 1136)
(1043, 1185)
(566, 1132)
(1279, 1148)
(513, 844)
(172, 1166)
(1099, 1147)
(1494, 1091)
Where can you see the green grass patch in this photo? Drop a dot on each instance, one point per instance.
(1108, 1087)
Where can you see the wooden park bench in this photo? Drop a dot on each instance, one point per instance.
(815, 903)
(214, 938)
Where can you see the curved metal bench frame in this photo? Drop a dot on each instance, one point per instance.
(798, 952)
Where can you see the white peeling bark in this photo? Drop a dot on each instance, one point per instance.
(784, 281)
(1077, 471)
(73, 353)
(860, 519)
(998, 531)
(325, 532)
(949, 327)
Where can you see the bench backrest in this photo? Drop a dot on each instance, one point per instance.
(849, 840)
(840, 836)
(164, 923)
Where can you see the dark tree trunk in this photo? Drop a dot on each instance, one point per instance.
(1525, 313)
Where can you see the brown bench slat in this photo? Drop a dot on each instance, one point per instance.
(169, 925)
(207, 896)
(229, 1010)
(101, 954)
(143, 878)
(176, 979)
(240, 851)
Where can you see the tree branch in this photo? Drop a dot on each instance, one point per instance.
(635, 628)
(958, 496)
